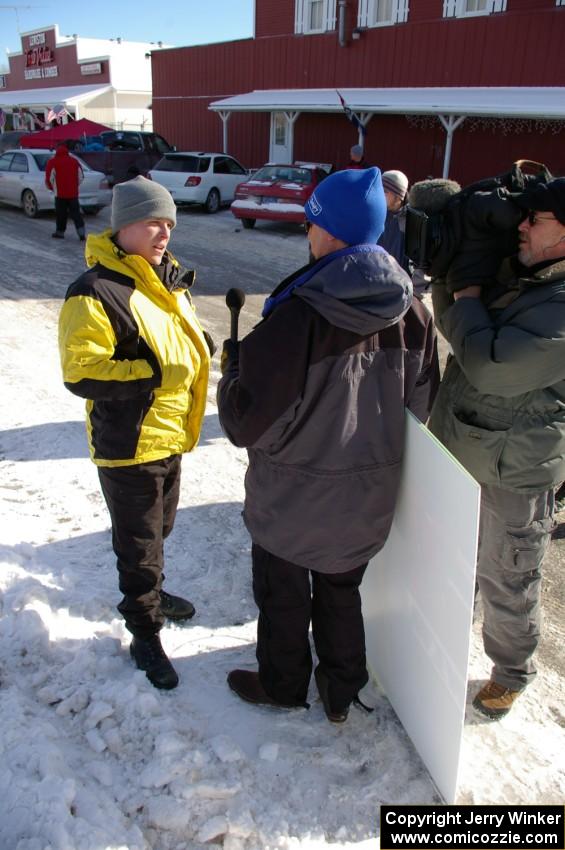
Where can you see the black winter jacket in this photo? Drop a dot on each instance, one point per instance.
(318, 398)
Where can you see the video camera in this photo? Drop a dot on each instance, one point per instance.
(462, 235)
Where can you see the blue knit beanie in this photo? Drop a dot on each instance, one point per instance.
(350, 205)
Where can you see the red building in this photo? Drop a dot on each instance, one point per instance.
(463, 87)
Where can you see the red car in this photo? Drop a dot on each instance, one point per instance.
(278, 192)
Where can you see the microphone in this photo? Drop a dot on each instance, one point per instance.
(235, 299)
(432, 196)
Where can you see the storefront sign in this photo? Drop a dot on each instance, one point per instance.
(39, 56)
(92, 68)
(37, 38)
(41, 73)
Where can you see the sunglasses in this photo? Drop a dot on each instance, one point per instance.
(534, 217)
(307, 226)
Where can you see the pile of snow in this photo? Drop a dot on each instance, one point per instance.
(94, 758)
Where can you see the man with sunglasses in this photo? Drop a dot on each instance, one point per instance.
(317, 393)
(501, 411)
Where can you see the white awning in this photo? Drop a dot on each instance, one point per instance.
(517, 101)
(68, 95)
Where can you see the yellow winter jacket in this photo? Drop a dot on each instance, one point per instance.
(130, 343)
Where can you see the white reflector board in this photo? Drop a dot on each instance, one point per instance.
(418, 595)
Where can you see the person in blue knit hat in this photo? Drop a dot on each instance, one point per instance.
(350, 205)
(317, 394)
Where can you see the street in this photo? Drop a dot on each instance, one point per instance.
(37, 268)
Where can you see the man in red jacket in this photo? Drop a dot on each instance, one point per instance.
(63, 175)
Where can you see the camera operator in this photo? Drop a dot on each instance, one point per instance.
(500, 410)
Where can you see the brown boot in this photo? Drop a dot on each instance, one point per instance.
(494, 700)
(246, 684)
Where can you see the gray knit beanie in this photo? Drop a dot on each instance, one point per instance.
(139, 199)
(395, 182)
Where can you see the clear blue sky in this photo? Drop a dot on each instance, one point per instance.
(174, 22)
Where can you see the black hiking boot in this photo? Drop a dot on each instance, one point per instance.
(175, 607)
(246, 684)
(150, 656)
(323, 683)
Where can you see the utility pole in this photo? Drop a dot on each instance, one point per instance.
(15, 10)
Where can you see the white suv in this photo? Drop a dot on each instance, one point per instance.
(195, 177)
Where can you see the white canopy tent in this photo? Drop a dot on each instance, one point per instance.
(451, 105)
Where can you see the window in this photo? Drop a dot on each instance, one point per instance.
(272, 173)
(470, 8)
(314, 16)
(280, 124)
(221, 165)
(186, 163)
(6, 161)
(122, 141)
(378, 13)
(233, 166)
(19, 163)
(42, 159)
(161, 146)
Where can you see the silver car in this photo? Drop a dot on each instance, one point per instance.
(22, 183)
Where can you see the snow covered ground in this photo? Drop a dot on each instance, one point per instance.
(92, 757)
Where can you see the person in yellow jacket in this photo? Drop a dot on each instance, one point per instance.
(131, 345)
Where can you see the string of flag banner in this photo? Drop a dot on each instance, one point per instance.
(351, 116)
(55, 113)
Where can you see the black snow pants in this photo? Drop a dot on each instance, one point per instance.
(65, 207)
(289, 597)
(142, 500)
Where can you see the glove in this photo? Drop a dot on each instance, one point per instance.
(229, 360)
(489, 222)
(212, 347)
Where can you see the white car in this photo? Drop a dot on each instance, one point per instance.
(196, 177)
(22, 183)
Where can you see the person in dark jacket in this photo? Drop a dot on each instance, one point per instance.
(63, 176)
(131, 345)
(317, 393)
(395, 185)
(357, 157)
(501, 411)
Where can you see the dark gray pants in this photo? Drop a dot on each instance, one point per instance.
(515, 531)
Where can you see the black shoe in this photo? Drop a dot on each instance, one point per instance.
(246, 684)
(323, 683)
(58, 235)
(150, 656)
(175, 607)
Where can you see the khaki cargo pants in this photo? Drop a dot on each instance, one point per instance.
(515, 531)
